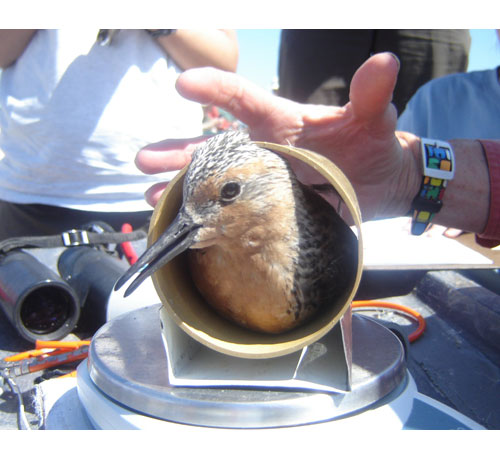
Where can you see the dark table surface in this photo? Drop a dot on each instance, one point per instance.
(456, 361)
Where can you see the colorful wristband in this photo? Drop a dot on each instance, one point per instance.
(439, 167)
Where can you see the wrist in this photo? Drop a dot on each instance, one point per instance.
(466, 201)
(408, 176)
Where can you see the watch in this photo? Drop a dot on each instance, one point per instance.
(438, 163)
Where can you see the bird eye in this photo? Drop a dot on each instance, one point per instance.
(229, 191)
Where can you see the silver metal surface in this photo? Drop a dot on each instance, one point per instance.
(323, 365)
(127, 362)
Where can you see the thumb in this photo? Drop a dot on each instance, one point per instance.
(372, 86)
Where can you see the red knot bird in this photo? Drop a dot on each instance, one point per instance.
(266, 251)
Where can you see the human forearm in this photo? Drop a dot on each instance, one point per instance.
(191, 48)
(13, 42)
(466, 199)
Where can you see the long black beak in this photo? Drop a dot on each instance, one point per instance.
(177, 238)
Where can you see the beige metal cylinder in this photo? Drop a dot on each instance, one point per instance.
(184, 304)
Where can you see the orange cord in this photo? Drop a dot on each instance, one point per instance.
(48, 354)
(373, 304)
(66, 345)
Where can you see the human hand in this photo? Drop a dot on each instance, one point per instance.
(359, 138)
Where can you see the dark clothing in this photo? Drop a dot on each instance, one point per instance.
(41, 220)
(316, 66)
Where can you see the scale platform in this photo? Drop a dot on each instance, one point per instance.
(124, 384)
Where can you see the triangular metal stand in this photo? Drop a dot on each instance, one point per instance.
(325, 365)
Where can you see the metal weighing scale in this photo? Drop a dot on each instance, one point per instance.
(146, 372)
(124, 384)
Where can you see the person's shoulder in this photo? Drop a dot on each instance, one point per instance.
(458, 81)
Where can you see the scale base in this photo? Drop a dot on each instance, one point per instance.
(124, 385)
(127, 363)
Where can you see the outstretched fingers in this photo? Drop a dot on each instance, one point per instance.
(167, 155)
(269, 118)
(153, 194)
(245, 100)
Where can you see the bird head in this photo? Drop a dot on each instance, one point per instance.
(230, 187)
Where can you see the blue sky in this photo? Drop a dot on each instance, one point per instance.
(259, 53)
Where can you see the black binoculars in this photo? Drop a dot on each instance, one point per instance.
(44, 305)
